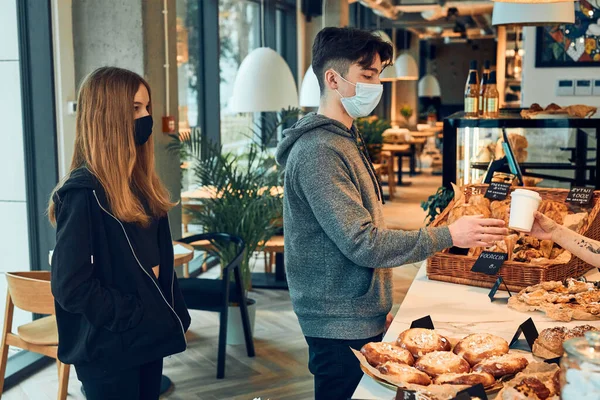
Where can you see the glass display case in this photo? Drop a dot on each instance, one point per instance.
(556, 152)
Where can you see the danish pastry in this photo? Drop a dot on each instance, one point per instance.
(404, 373)
(470, 379)
(421, 341)
(442, 362)
(479, 346)
(507, 364)
(378, 353)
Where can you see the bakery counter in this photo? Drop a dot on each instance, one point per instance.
(456, 311)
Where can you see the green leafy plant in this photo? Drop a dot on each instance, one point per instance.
(436, 203)
(247, 200)
(372, 128)
(406, 111)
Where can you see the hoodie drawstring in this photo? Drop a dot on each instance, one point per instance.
(369, 164)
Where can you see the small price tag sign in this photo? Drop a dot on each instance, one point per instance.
(425, 323)
(496, 286)
(405, 394)
(580, 195)
(489, 262)
(497, 191)
(528, 329)
(477, 391)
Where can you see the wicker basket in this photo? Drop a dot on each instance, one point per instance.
(517, 275)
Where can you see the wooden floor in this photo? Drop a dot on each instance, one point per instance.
(279, 370)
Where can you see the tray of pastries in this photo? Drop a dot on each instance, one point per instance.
(549, 343)
(553, 110)
(561, 301)
(439, 367)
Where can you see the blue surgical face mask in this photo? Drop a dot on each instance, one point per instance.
(364, 101)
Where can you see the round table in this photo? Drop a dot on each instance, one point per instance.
(181, 259)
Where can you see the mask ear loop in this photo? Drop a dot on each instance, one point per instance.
(345, 80)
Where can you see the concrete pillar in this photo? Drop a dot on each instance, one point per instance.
(130, 34)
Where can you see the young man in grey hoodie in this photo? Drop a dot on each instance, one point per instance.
(338, 252)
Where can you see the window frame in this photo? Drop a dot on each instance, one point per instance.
(36, 69)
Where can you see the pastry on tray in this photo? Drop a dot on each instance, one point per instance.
(479, 346)
(469, 378)
(499, 366)
(404, 373)
(442, 362)
(552, 109)
(421, 341)
(539, 381)
(572, 300)
(378, 353)
(549, 343)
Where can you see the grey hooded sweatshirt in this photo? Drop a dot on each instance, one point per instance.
(338, 252)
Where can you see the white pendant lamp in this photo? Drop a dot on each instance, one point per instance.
(310, 92)
(530, 14)
(429, 86)
(264, 82)
(389, 73)
(406, 68)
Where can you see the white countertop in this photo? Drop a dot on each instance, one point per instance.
(456, 311)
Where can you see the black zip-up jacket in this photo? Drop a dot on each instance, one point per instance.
(111, 312)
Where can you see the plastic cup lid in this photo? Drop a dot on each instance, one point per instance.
(528, 193)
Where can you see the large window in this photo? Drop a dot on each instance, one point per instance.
(27, 157)
(213, 38)
(239, 34)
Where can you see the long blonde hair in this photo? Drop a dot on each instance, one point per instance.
(105, 144)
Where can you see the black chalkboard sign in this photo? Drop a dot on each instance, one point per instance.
(489, 262)
(529, 330)
(580, 196)
(497, 191)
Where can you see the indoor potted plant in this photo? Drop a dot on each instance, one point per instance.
(247, 201)
(371, 129)
(407, 112)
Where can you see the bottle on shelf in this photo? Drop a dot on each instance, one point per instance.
(484, 78)
(491, 98)
(472, 92)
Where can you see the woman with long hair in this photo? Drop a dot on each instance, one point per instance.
(118, 306)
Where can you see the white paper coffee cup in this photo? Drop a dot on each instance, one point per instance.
(523, 205)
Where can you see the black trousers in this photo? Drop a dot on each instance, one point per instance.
(336, 370)
(142, 382)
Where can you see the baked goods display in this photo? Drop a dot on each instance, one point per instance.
(554, 110)
(476, 358)
(477, 347)
(561, 301)
(421, 341)
(378, 353)
(549, 343)
(518, 144)
(519, 246)
(442, 362)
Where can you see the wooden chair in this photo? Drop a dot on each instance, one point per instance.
(30, 291)
(216, 294)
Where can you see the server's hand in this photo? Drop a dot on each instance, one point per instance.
(476, 231)
(543, 227)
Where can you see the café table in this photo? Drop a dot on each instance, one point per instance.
(457, 311)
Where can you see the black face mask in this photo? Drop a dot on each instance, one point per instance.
(143, 129)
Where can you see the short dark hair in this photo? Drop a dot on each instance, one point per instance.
(338, 48)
